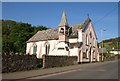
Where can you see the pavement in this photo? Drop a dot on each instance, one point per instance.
(44, 73)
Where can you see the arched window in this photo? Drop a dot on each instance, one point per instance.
(47, 48)
(84, 55)
(94, 54)
(87, 54)
(90, 34)
(34, 49)
(86, 39)
(62, 31)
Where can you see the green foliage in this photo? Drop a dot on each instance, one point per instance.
(15, 35)
(111, 43)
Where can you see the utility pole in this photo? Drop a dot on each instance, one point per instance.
(102, 44)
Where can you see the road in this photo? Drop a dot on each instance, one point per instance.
(103, 70)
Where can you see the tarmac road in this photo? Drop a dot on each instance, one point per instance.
(104, 70)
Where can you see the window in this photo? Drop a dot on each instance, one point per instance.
(93, 54)
(66, 30)
(84, 55)
(90, 35)
(93, 42)
(87, 52)
(60, 48)
(62, 31)
(47, 48)
(35, 49)
(67, 49)
(86, 39)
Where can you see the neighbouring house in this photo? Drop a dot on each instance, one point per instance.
(67, 40)
(115, 51)
(102, 50)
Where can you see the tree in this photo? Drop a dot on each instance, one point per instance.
(15, 34)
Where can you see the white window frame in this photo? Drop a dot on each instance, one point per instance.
(34, 49)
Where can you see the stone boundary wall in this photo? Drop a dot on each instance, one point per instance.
(58, 61)
(111, 58)
(13, 63)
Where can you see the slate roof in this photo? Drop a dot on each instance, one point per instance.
(73, 30)
(44, 35)
(84, 26)
(52, 34)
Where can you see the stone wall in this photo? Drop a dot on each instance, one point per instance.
(58, 61)
(111, 58)
(12, 63)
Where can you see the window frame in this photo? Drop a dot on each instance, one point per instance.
(35, 49)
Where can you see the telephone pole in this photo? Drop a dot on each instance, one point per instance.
(102, 56)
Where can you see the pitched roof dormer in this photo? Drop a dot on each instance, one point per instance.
(63, 21)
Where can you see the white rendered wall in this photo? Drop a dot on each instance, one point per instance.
(73, 52)
(80, 36)
(58, 52)
(115, 52)
(74, 40)
(40, 47)
(29, 49)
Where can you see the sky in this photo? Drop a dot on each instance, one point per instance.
(104, 15)
(60, 0)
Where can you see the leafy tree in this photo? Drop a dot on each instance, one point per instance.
(15, 34)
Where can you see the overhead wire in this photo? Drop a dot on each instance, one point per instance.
(106, 15)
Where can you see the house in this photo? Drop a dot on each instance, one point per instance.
(115, 51)
(102, 50)
(67, 40)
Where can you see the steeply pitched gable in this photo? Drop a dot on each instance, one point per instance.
(86, 23)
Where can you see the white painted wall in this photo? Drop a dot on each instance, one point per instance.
(41, 47)
(80, 36)
(54, 45)
(60, 52)
(115, 52)
(73, 40)
(74, 52)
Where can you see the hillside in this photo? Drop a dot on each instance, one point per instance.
(111, 43)
(15, 34)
